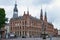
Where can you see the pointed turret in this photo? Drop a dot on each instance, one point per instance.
(15, 11)
(15, 8)
(41, 15)
(24, 13)
(45, 17)
(27, 11)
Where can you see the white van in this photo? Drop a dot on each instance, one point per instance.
(12, 35)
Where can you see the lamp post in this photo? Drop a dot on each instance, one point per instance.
(44, 36)
(43, 31)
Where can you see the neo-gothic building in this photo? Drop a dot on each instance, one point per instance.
(30, 26)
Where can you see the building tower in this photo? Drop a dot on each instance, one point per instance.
(15, 11)
(41, 15)
(45, 17)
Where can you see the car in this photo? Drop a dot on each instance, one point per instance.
(12, 35)
(23, 37)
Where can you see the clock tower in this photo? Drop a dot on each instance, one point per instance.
(15, 11)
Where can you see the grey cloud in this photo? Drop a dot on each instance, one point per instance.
(39, 2)
(24, 2)
(6, 2)
(54, 17)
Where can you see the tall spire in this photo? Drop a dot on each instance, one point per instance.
(24, 13)
(41, 15)
(15, 11)
(28, 11)
(15, 8)
(45, 17)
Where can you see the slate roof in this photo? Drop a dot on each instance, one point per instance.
(31, 18)
(34, 18)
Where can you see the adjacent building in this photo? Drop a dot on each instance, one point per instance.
(30, 26)
(7, 28)
(58, 33)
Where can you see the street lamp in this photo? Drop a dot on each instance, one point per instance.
(44, 35)
(43, 31)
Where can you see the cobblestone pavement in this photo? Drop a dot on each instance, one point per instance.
(54, 38)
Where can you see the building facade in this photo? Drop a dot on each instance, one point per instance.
(7, 28)
(30, 26)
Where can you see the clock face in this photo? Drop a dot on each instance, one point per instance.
(15, 12)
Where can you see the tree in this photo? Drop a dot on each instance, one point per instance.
(2, 18)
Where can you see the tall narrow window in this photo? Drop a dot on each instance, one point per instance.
(20, 33)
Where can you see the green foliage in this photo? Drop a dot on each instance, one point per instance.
(2, 17)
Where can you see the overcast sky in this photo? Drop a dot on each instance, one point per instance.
(52, 7)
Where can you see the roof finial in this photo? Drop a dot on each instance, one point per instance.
(41, 5)
(28, 11)
(15, 1)
(45, 17)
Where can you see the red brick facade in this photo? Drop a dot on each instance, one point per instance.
(29, 26)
